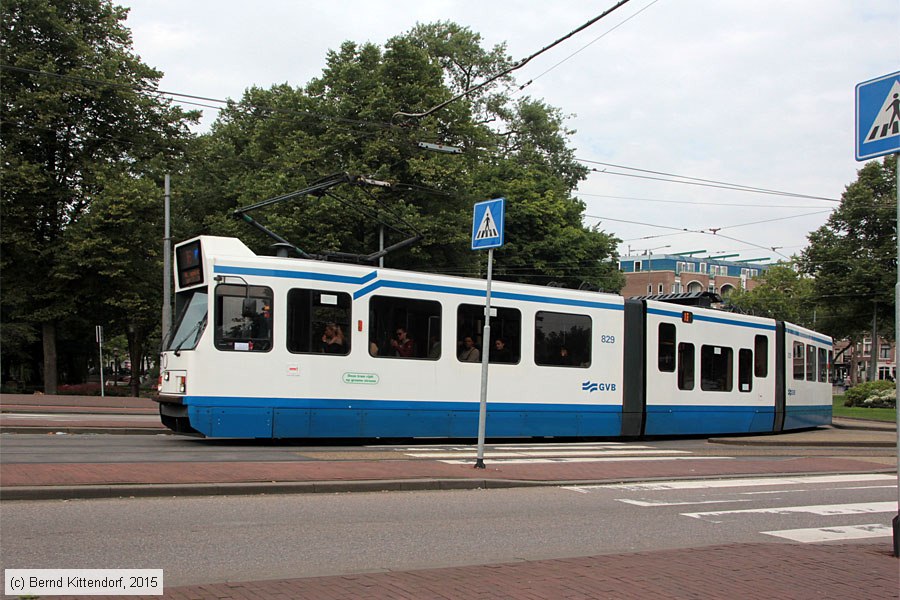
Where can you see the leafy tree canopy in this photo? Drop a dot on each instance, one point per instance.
(273, 141)
(74, 107)
(853, 256)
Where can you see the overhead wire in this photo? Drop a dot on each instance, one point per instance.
(596, 39)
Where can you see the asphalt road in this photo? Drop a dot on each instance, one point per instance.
(204, 540)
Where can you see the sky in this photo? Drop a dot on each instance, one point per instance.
(757, 93)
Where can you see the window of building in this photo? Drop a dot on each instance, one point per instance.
(637, 266)
(506, 328)
(703, 267)
(884, 352)
(662, 288)
(666, 349)
(799, 352)
(562, 339)
(716, 370)
(243, 318)
(745, 370)
(810, 362)
(685, 366)
(761, 356)
(318, 322)
(404, 328)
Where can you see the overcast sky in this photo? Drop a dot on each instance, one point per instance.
(752, 92)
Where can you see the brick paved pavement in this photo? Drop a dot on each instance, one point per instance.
(735, 571)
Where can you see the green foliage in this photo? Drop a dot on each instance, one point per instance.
(73, 111)
(853, 256)
(275, 141)
(853, 412)
(781, 293)
(872, 394)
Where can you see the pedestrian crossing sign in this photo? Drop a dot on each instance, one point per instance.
(487, 224)
(878, 117)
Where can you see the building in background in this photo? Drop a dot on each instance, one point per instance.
(651, 274)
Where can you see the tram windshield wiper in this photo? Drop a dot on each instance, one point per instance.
(195, 331)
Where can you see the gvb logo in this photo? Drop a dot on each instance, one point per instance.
(593, 386)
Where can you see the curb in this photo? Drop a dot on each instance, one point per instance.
(800, 443)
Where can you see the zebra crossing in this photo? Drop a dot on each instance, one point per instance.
(739, 493)
(554, 453)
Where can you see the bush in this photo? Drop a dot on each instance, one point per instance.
(872, 394)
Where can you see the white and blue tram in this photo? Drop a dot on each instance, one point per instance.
(275, 347)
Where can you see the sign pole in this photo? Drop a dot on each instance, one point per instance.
(896, 521)
(100, 342)
(487, 233)
(485, 352)
(878, 134)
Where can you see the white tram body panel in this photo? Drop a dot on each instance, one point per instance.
(708, 371)
(809, 357)
(233, 388)
(278, 347)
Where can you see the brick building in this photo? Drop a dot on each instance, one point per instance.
(650, 274)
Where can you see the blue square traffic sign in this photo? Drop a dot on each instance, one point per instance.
(878, 117)
(487, 224)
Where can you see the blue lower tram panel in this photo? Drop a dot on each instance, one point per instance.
(367, 419)
(691, 420)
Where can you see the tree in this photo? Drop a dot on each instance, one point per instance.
(114, 250)
(278, 140)
(75, 105)
(781, 293)
(852, 258)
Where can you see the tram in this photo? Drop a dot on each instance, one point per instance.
(277, 347)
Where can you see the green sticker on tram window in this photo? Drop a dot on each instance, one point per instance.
(361, 378)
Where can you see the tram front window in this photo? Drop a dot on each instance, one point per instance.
(191, 323)
(243, 318)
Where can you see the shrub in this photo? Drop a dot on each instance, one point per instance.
(872, 394)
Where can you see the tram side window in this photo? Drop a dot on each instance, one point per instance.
(685, 366)
(745, 370)
(562, 340)
(666, 350)
(823, 365)
(318, 322)
(404, 328)
(761, 356)
(810, 362)
(799, 352)
(716, 368)
(243, 318)
(506, 333)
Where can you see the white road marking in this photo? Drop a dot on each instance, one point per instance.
(831, 534)
(586, 459)
(726, 483)
(815, 509)
(651, 504)
(541, 454)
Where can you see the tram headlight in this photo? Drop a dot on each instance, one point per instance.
(181, 382)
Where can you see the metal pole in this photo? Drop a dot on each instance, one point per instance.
(485, 351)
(896, 521)
(167, 271)
(100, 342)
(381, 245)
